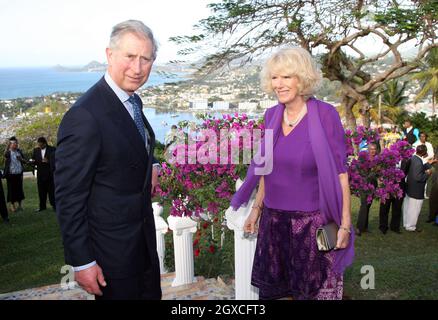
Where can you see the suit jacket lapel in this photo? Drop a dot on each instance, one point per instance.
(123, 120)
(151, 152)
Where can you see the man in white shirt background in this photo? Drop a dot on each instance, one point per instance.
(423, 140)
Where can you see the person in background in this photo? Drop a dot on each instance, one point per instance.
(423, 140)
(391, 137)
(3, 207)
(430, 156)
(364, 210)
(43, 158)
(396, 204)
(14, 168)
(418, 174)
(410, 134)
(433, 196)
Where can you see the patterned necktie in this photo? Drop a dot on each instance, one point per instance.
(137, 116)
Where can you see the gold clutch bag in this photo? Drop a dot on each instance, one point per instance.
(326, 237)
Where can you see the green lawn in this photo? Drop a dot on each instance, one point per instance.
(406, 265)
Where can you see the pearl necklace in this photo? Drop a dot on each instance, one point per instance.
(299, 117)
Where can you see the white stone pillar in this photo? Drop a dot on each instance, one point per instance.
(161, 228)
(183, 229)
(244, 250)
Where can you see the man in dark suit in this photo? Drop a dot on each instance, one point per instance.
(395, 203)
(3, 208)
(410, 133)
(104, 176)
(418, 174)
(433, 197)
(43, 158)
(364, 209)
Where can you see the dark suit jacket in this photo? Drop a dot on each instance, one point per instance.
(103, 186)
(410, 137)
(417, 178)
(45, 169)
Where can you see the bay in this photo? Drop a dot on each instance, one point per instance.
(162, 121)
(35, 82)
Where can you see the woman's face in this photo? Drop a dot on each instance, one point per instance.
(285, 87)
(372, 149)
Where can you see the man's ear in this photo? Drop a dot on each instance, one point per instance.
(109, 54)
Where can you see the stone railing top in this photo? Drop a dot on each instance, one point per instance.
(181, 224)
(160, 224)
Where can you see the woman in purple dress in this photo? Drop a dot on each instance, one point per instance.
(306, 189)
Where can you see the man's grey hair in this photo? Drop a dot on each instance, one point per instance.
(136, 27)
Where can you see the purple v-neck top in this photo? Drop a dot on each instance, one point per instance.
(293, 182)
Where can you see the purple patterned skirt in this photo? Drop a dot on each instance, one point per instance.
(287, 262)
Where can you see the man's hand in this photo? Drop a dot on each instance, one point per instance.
(89, 279)
(155, 181)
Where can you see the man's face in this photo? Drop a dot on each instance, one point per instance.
(130, 63)
(406, 124)
(14, 145)
(41, 145)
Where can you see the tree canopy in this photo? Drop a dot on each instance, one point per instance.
(350, 37)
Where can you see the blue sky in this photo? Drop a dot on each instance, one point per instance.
(74, 32)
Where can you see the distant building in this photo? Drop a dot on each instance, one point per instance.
(201, 104)
(266, 104)
(221, 105)
(251, 106)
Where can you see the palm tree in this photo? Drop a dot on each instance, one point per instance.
(428, 78)
(393, 94)
(392, 100)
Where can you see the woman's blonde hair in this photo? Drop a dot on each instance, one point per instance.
(292, 62)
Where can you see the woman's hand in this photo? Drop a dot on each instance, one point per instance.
(343, 239)
(251, 221)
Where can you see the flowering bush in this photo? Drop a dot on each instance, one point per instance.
(354, 138)
(201, 182)
(378, 177)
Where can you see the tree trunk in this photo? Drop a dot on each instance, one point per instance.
(365, 112)
(433, 104)
(348, 105)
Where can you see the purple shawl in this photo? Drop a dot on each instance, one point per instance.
(324, 122)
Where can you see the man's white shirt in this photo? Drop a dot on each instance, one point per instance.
(430, 153)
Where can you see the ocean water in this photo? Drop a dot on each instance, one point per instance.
(161, 122)
(33, 82)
